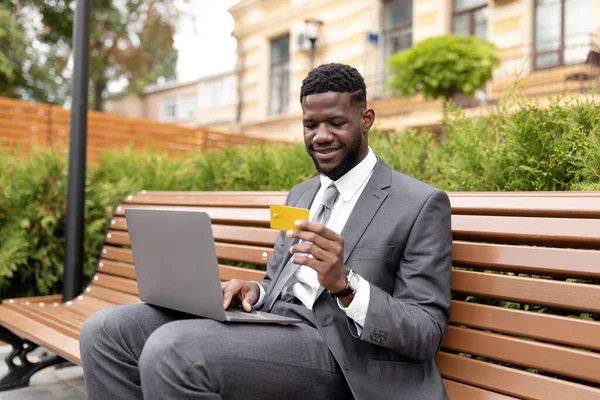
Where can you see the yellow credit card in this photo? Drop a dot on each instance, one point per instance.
(283, 217)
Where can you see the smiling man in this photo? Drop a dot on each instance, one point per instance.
(369, 275)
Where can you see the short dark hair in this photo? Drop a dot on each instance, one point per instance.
(334, 77)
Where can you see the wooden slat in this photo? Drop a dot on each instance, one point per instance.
(227, 251)
(563, 361)
(226, 233)
(68, 315)
(245, 235)
(37, 299)
(541, 231)
(569, 331)
(248, 254)
(119, 224)
(210, 199)
(37, 332)
(84, 306)
(116, 254)
(124, 270)
(116, 283)
(113, 296)
(570, 296)
(88, 305)
(227, 273)
(236, 216)
(460, 391)
(510, 381)
(534, 260)
(117, 238)
(559, 205)
(62, 325)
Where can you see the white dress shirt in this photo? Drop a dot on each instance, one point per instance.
(304, 284)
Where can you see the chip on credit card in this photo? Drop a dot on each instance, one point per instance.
(283, 217)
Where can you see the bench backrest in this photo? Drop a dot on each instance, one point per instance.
(525, 316)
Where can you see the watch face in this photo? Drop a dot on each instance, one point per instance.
(353, 281)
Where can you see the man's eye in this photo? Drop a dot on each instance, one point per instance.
(309, 127)
(338, 124)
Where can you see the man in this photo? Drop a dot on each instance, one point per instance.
(369, 275)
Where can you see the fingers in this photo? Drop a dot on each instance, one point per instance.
(314, 250)
(318, 265)
(230, 289)
(314, 227)
(238, 291)
(250, 298)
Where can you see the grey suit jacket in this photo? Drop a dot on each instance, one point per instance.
(399, 238)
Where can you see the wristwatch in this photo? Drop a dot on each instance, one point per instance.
(352, 284)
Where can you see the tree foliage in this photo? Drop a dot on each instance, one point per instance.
(130, 40)
(442, 66)
(23, 73)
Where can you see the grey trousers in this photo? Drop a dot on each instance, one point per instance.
(145, 352)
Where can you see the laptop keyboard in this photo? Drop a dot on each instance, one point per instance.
(244, 314)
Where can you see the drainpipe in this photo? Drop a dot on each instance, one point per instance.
(240, 75)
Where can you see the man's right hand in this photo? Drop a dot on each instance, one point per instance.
(236, 292)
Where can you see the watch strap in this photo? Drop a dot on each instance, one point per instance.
(341, 293)
(344, 292)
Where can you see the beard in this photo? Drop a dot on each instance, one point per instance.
(347, 163)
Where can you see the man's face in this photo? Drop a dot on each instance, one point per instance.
(335, 132)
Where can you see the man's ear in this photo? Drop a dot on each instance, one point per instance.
(367, 119)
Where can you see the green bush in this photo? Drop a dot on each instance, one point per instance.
(518, 146)
(442, 66)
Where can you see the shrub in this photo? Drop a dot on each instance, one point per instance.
(442, 66)
(517, 146)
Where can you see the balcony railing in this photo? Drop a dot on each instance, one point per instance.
(571, 66)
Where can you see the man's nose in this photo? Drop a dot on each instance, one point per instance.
(322, 135)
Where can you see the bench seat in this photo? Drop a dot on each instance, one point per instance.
(536, 249)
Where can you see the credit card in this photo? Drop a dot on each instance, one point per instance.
(283, 217)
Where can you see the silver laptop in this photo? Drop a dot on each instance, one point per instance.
(176, 265)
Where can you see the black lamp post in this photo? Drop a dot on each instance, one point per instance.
(77, 153)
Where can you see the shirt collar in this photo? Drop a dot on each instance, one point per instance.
(352, 180)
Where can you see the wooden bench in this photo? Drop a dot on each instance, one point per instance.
(507, 246)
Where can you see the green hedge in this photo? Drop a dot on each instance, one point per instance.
(519, 146)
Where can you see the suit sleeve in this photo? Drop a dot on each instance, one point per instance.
(413, 320)
(278, 254)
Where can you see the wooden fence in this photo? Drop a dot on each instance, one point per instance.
(25, 126)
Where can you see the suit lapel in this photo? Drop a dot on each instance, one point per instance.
(366, 207)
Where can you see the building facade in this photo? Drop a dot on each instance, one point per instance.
(205, 102)
(549, 44)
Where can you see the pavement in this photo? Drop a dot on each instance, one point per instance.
(64, 383)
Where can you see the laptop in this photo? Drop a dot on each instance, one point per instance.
(176, 265)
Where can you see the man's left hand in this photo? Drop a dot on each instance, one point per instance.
(327, 250)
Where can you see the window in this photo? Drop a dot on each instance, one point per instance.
(188, 105)
(178, 108)
(168, 109)
(563, 31)
(470, 17)
(217, 92)
(280, 75)
(397, 26)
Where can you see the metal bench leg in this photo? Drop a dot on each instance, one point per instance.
(19, 374)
